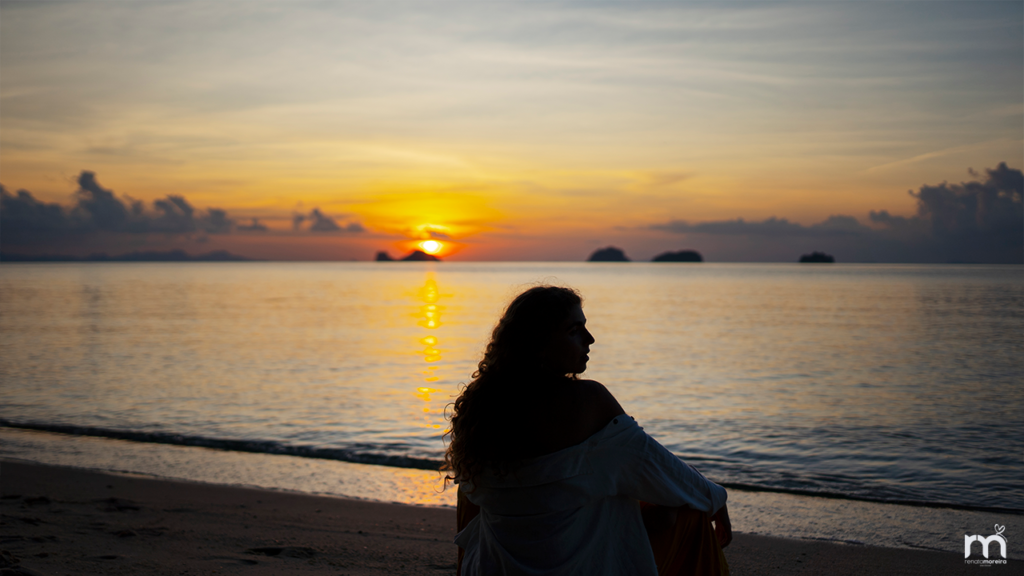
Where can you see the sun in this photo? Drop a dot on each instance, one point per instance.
(431, 246)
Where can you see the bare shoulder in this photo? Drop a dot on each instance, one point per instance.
(601, 404)
(580, 410)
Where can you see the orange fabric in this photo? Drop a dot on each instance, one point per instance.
(687, 547)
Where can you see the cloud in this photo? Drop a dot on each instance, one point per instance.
(24, 217)
(217, 221)
(176, 216)
(428, 231)
(100, 205)
(321, 222)
(26, 220)
(971, 221)
(256, 226)
(976, 221)
(837, 225)
(664, 178)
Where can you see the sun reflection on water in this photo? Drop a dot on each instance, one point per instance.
(429, 317)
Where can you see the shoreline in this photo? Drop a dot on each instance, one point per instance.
(406, 462)
(770, 514)
(63, 520)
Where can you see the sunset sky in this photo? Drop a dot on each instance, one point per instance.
(515, 131)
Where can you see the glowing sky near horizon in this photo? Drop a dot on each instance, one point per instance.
(514, 127)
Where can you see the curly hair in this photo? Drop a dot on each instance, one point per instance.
(483, 418)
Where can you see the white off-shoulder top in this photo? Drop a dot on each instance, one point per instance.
(576, 511)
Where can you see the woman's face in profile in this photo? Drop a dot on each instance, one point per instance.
(567, 351)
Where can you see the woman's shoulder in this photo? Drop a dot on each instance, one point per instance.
(598, 405)
(576, 412)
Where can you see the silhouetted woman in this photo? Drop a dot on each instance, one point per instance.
(554, 478)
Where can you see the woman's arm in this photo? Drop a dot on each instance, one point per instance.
(639, 467)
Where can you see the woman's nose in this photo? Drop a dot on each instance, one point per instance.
(590, 337)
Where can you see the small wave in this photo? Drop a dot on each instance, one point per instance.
(259, 446)
(395, 461)
(842, 496)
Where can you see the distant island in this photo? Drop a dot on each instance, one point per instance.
(414, 256)
(151, 256)
(680, 256)
(609, 254)
(817, 257)
(613, 254)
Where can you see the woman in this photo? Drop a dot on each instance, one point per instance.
(554, 477)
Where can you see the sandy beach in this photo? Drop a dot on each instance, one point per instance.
(61, 520)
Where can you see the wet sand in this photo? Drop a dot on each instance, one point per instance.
(59, 520)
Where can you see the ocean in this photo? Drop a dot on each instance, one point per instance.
(888, 384)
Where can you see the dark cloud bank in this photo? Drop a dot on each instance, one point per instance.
(978, 221)
(27, 224)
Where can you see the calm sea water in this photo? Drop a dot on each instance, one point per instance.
(900, 383)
